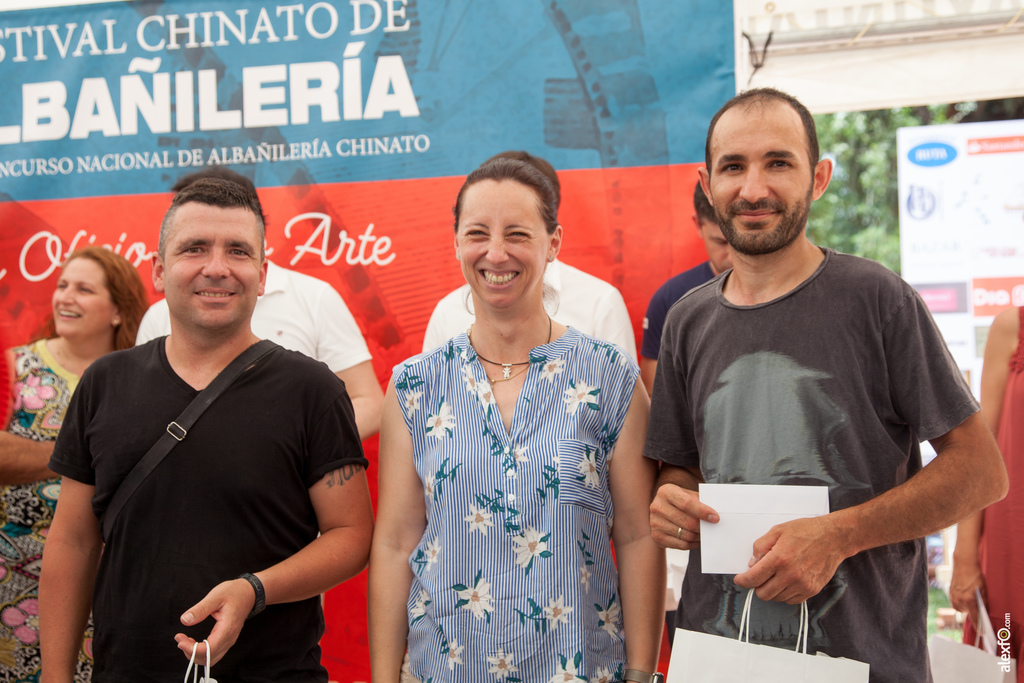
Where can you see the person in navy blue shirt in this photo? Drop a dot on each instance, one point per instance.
(719, 261)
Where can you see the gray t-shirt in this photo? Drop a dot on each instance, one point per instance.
(835, 383)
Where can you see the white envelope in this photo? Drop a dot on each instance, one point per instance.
(747, 512)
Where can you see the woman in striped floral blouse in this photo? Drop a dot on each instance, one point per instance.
(499, 500)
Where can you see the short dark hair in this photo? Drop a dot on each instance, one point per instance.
(225, 194)
(222, 172)
(705, 212)
(764, 96)
(522, 172)
(214, 172)
(542, 165)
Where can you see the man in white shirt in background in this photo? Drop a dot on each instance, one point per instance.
(301, 313)
(583, 301)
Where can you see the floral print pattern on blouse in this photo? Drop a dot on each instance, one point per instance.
(42, 391)
(513, 579)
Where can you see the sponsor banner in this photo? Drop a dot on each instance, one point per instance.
(357, 120)
(961, 207)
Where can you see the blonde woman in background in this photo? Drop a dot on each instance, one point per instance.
(96, 308)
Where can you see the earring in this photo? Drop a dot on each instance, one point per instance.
(116, 321)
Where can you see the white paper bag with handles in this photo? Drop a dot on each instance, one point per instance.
(954, 662)
(705, 658)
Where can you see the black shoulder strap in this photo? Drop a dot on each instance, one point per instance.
(178, 430)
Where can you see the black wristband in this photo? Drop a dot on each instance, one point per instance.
(261, 595)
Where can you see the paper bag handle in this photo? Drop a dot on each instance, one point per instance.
(192, 661)
(801, 634)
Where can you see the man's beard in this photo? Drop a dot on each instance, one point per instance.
(759, 242)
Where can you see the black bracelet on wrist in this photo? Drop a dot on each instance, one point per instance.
(261, 595)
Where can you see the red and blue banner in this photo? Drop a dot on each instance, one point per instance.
(357, 120)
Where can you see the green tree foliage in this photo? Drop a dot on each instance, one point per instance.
(859, 213)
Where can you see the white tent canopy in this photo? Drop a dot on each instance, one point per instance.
(844, 55)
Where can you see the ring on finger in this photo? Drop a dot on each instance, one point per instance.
(679, 533)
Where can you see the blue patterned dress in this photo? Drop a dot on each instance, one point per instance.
(514, 579)
(42, 390)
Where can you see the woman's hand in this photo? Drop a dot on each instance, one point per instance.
(967, 577)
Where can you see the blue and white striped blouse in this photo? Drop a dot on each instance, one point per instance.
(514, 578)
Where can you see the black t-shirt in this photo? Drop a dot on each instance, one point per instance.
(231, 498)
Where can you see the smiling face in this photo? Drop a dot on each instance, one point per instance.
(761, 182)
(82, 307)
(211, 272)
(503, 245)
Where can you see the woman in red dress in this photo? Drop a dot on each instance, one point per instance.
(989, 551)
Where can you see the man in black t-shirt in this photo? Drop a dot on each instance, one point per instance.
(802, 366)
(263, 504)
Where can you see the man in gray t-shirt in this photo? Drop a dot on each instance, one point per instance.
(804, 366)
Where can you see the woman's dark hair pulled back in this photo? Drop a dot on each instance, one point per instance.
(521, 172)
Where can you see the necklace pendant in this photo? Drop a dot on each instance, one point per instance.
(507, 369)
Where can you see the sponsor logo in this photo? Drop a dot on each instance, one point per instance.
(932, 154)
(944, 298)
(949, 246)
(1000, 252)
(921, 202)
(1012, 143)
(990, 296)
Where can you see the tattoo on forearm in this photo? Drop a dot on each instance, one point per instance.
(339, 476)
